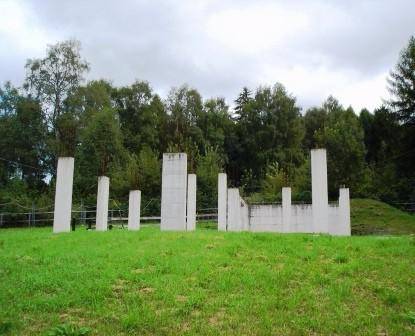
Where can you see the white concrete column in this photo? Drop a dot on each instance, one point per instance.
(344, 212)
(191, 202)
(134, 204)
(63, 195)
(102, 203)
(222, 201)
(234, 210)
(173, 192)
(319, 190)
(286, 210)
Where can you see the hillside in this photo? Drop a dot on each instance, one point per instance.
(204, 283)
(375, 217)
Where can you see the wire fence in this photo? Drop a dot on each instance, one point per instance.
(81, 215)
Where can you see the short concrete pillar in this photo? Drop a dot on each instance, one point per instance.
(102, 203)
(222, 201)
(191, 202)
(344, 212)
(134, 204)
(174, 192)
(234, 210)
(319, 190)
(286, 209)
(63, 195)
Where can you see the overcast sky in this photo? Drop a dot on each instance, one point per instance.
(315, 48)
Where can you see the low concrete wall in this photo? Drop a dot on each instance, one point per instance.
(270, 218)
(134, 204)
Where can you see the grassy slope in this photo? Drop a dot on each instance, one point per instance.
(374, 217)
(206, 282)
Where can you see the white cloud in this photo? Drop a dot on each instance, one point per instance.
(315, 48)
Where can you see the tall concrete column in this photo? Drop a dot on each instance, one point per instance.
(286, 209)
(134, 204)
(319, 190)
(234, 210)
(344, 212)
(222, 201)
(173, 192)
(191, 202)
(63, 195)
(102, 203)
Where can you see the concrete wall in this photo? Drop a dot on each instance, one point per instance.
(102, 203)
(134, 204)
(222, 201)
(173, 192)
(319, 190)
(191, 202)
(238, 212)
(63, 195)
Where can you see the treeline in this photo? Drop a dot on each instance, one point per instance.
(262, 143)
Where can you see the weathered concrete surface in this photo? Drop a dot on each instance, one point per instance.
(191, 202)
(134, 205)
(234, 210)
(173, 192)
(319, 190)
(286, 210)
(344, 213)
(102, 203)
(222, 201)
(63, 195)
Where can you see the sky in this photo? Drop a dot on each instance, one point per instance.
(314, 48)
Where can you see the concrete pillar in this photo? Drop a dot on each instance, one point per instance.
(234, 210)
(191, 202)
(222, 201)
(344, 212)
(319, 190)
(173, 192)
(102, 203)
(286, 210)
(134, 204)
(63, 195)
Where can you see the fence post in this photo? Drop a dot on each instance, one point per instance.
(33, 214)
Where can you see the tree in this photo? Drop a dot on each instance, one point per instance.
(343, 137)
(270, 130)
(102, 141)
(53, 78)
(402, 85)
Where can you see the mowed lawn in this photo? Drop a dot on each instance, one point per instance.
(205, 283)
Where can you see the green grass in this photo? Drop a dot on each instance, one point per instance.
(204, 283)
(374, 217)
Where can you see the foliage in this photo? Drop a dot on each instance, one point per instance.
(124, 131)
(53, 78)
(69, 330)
(102, 140)
(401, 84)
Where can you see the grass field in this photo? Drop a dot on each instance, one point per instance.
(204, 283)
